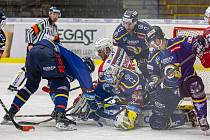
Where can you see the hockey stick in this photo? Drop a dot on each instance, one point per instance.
(47, 120)
(46, 89)
(20, 127)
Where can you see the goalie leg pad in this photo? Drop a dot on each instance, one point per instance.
(126, 120)
(159, 122)
(165, 103)
(18, 80)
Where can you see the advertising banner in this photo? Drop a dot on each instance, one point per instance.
(77, 37)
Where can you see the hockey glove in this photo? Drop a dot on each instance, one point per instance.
(198, 46)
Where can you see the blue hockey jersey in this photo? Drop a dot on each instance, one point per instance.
(177, 50)
(132, 43)
(2, 42)
(74, 66)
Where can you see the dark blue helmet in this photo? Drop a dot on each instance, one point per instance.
(54, 9)
(2, 19)
(89, 63)
(155, 32)
(130, 16)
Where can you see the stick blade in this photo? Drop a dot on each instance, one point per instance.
(27, 128)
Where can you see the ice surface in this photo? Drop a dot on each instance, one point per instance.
(40, 103)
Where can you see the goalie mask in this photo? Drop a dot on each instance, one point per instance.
(207, 15)
(154, 33)
(103, 45)
(2, 19)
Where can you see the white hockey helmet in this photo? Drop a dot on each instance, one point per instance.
(102, 44)
(207, 14)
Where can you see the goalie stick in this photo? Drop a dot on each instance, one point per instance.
(20, 127)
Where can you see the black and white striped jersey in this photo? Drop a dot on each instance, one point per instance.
(44, 29)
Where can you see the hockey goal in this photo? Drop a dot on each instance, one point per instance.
(204, 73)
(187, 31)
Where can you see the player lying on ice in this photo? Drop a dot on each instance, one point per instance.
(170, 55)
(49, 60)
(122, 89)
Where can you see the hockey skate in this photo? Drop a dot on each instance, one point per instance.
(63, 123)
(12, 88)
(192, 117)
(203, 124)
(7, 119)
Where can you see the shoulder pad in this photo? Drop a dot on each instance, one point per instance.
(142, 27)
(175, 41)
(119, 32)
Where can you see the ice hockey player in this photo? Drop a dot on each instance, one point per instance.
(2, 35)
(43, 29)
(130, 35)
(205, 52)
(183, 82)
(49, 60)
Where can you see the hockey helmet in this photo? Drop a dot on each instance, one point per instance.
(207, 14)
(89, 63)
(2, 19)
(54, 9)
(155, 32)
(130, 16)
(206, 36)
(103, 44)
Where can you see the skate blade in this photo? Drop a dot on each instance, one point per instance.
(206, 133)
(66, 128)
(3, 122)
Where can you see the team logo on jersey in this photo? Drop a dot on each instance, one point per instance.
(167, 60)
(175, 73)
(140, 26)
(49, 68)
(115, 34)
(120, 29)
(176, 48)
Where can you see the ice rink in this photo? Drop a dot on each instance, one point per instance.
(40, 103)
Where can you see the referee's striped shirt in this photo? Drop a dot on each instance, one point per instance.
(44, 29)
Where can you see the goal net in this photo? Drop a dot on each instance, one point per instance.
(202, 72)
